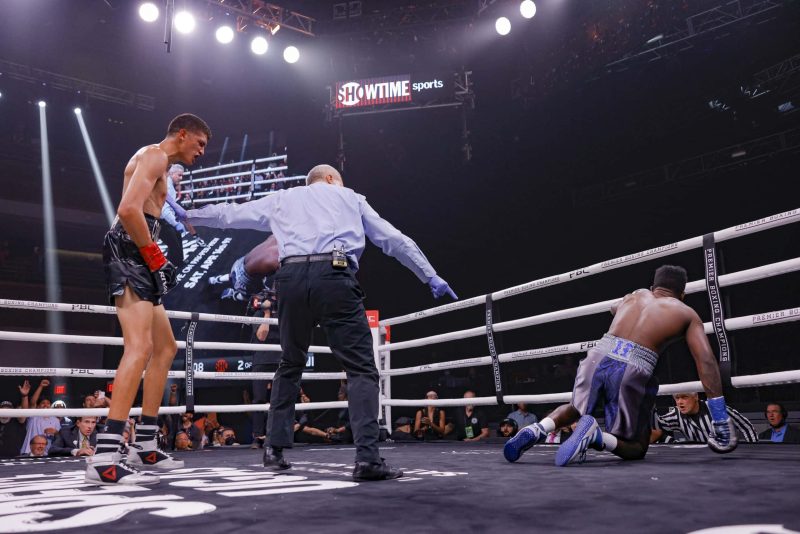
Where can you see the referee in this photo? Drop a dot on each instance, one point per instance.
(321, 230)
(691, 417)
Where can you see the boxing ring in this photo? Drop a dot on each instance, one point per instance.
(446, 483)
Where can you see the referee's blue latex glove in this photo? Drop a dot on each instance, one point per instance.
(439, 288)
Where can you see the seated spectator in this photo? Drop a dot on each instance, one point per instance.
(88, 401)
(207, 423)
(341, 432)
(471, 425)
(13, 429)
(79, 439)
(182, 441)
(522, 416)
(403, 430)
(690, 418)
(224, 436)
(508, 428)
(303, 431)
(779, 431)
(37, 446)
(186, 424)
(46, 425)
(429, 422)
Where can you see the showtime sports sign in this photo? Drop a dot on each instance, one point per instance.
(385, 90)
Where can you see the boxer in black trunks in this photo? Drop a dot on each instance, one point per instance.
(619, 369)
(137, 276)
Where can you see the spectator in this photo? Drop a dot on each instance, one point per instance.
(341, 432)
(186, 425)
(522, 416)
(429, 422)
(691, 418)
(508, 428)
(79, 439)
(88, 401)
(471, 425)
(403, 430)
(303, 431)
(228, 437)
(46, 425)
(182, 441)
(37, 446)
(780, 431)
(12, 429)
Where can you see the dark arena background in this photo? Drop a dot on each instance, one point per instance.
(549, 154)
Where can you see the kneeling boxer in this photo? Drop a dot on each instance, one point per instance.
(620, 370)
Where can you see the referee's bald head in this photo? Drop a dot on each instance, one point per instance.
(324, 173)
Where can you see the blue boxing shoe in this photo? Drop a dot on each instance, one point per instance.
(587, 435)
(524, 440)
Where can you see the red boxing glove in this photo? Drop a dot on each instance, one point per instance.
(153, 256)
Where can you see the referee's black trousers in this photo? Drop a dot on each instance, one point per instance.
(317, 293)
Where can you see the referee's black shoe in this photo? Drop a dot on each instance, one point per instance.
(274, 460)
(375, 471)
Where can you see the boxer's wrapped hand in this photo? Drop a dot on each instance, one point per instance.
(164, 273)
(723, 435)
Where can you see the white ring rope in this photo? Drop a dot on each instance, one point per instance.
(734, 323)
(740, 277)
(244, 183)
(198, 408)
(117, 341)
(203, 170)
(198, 375)
(782, 377)
(112, 310)
(733, 232)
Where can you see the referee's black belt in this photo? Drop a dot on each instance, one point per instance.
(309, 258)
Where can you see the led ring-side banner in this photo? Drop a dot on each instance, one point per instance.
(399, 89)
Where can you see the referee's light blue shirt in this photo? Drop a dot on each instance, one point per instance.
(314, 219)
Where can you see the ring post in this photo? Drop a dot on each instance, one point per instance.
(374, 328)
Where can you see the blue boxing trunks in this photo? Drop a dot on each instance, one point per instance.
(124, 265)
(621, 373)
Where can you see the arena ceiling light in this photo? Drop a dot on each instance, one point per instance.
(224, 34)
(148, 11)
(41, 103)
(77, 111)
(259, 45)
(291, 54)
(502, 25)
(184, 22)
(528, 9)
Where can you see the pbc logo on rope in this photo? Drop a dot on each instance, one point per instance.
(82, 307)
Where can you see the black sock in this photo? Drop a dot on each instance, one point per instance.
(114, 426)
(110, 439)
(150, 420)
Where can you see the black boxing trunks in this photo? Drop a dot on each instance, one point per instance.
(124, 265)
(620, 372)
